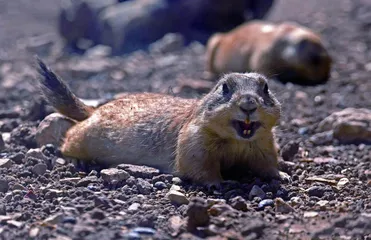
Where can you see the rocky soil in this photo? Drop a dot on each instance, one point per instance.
(46, 196)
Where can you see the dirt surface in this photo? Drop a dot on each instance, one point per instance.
(42, 196)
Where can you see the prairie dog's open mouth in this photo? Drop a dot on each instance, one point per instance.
(245, 129)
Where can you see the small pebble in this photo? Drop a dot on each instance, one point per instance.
(14, 223)
(4, 186)
(98, 214)
(134, 207)
(5, 163)
(175, 187)
(303, 130)
(17, 158)
(316, 191)
(176, 180)
(69, 219)
(60, 161)
(342, 182)
(266, 202)
(2, 143)
(144, 230)
(143, 186)
(133, 236)
(54, 219)
(219, 208)
(39, 169)
(84, 182)
(310, 214)
(93, 173)
(322, 204)
(289, 150)
(256, 191)
(239, 203)
(177, 197)
(34, 232)
(160, 185)
(197, 213)
(35, 153)
(114, 174)
(19, 187)
(213, 201)
(282, 206)
(296, 201)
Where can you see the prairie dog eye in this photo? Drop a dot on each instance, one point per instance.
(265, 89)
(225, 89)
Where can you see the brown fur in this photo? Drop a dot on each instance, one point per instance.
(270, 49)
(193, 138)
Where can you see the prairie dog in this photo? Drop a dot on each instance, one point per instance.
(288, 51)
(193, 138)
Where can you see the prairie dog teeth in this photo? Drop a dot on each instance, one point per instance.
(248, 131)
(245, 132)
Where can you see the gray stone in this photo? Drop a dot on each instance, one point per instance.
(176, 180)
(197, 213)
(266, 202)
(98, 214)
(52, 129)
(351, 125)
(2, 209)
(5, 163)
(144, 230)
(282, 206)
(60, 161)
(71, 180)
(256, 191)
(39, 169)
(98, 51)
(14, 223)
(34, 232)
(2, 143)
(316, 191)
(169, 43)
(239, 203)
(134, 207)
(84, 182)
(175, 187)
(139, 171)
(4, 185)
(177, 197)
(19, 187)
(144, 187)
(35, 153)
(289, 150)
(54, 219)
(17, 158)
(160, 185)
(112, 175)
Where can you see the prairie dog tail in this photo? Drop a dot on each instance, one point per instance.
(58, 94)
(212, 47)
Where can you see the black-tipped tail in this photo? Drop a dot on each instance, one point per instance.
(57, 94)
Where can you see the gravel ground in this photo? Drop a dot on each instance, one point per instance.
(44, 196)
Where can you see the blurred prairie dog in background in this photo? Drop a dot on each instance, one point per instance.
(288, 51)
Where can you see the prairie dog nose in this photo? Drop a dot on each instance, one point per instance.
(248, 104)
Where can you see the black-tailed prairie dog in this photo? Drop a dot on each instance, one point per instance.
(194, 138)
(287, 51)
